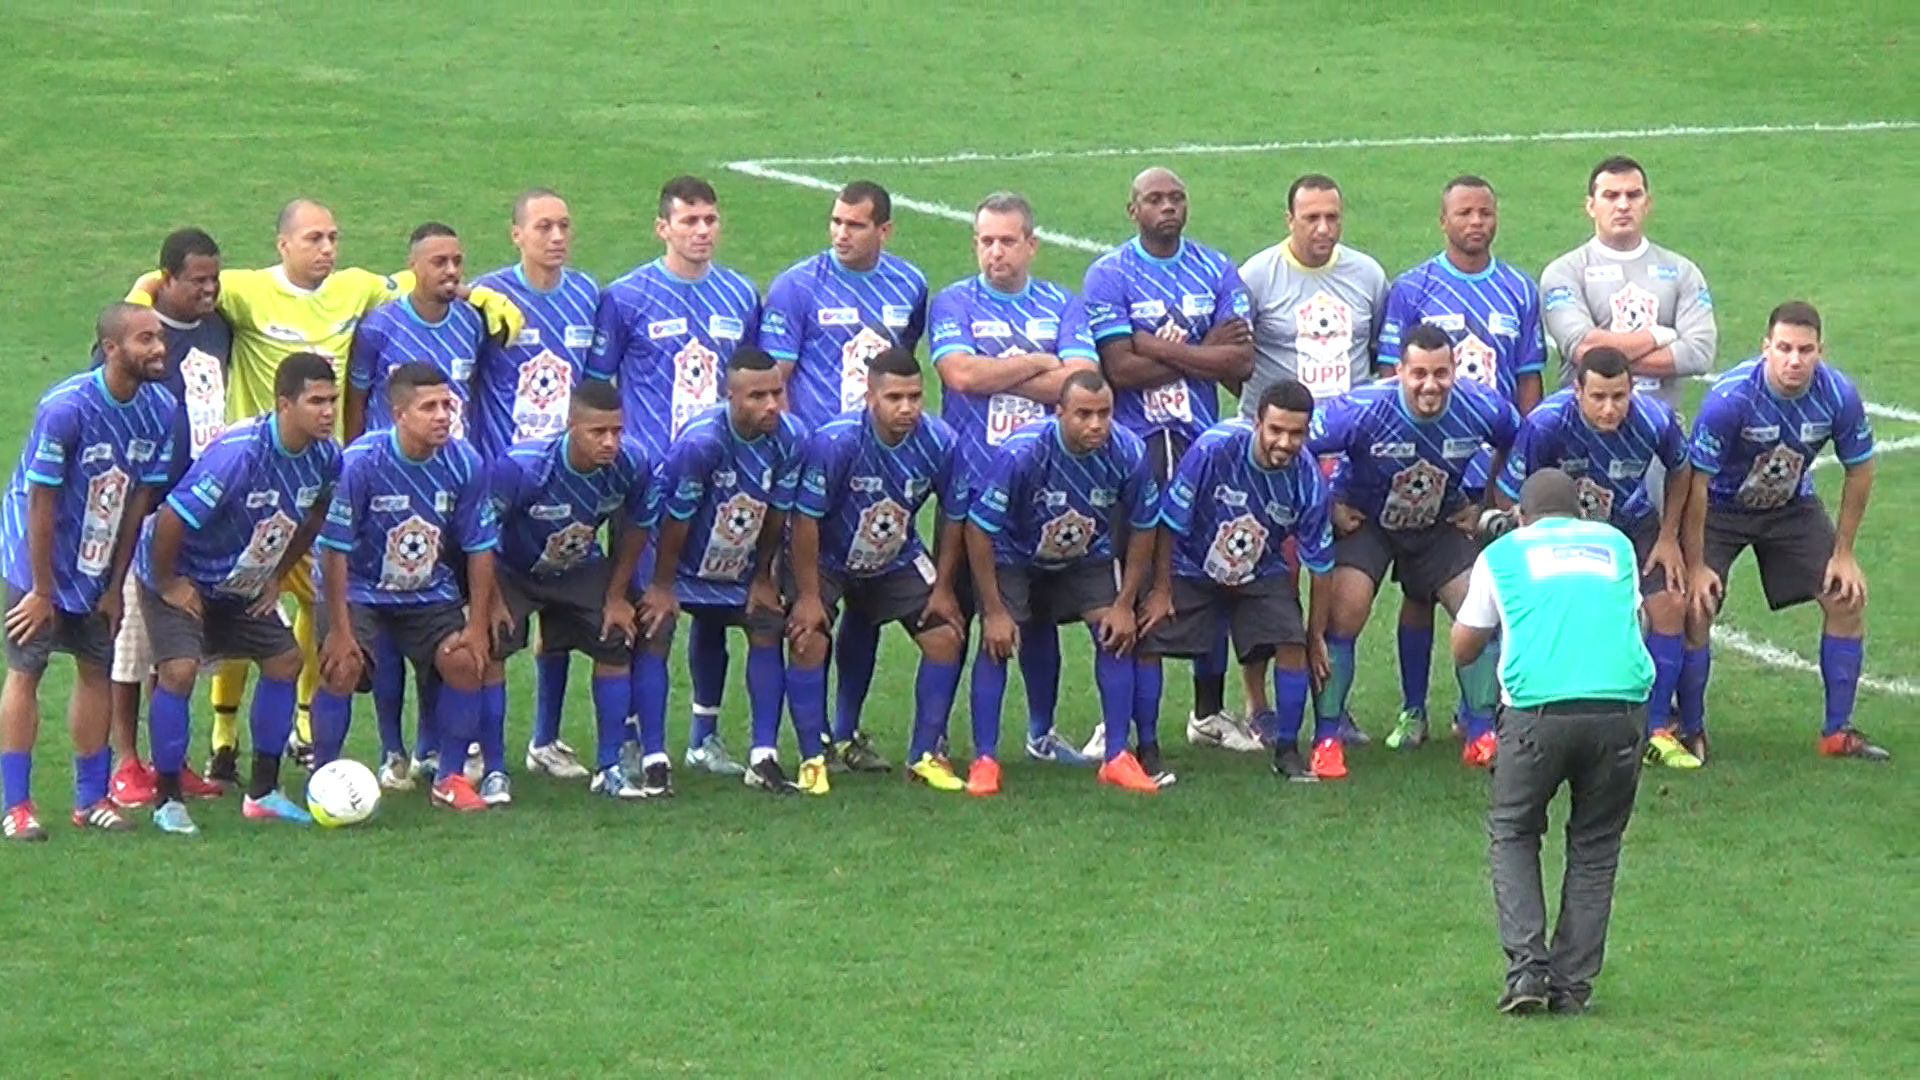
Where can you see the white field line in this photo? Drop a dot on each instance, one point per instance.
(1727, 637)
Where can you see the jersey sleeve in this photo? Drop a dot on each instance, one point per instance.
(207, 487)
(1852, 428)
(610, 329)
(683, 478)
(364, 353)
(1530, 348)
(1105, 295)
(1331, 427)
(642, 505)
(916, 322)
(1671, 444)
(995, 496)
(786, 480)
(505, 486)
(1313, 529)
(783, 321)
(1713, 433)
(376, 289)
(475, 525)
(1481, 608)
(821, 474)
(1230, 300)
(1563, 312)
(1694, 321)
(1140, 495)
(1504, 427)
(167, 448)
(952, 331)
(55, 436)
(341, 527)
(1076, 336)
(1401, 311)
(1528, 447)
(1189, 479)
(949, 486)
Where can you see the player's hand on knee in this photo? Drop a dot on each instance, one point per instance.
(268, 600)
(1705, 593)
(1156, 609)
(999, 635)
(1846, 582)
(1117, 629)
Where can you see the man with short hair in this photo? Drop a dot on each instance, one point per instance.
(1754, 444)
(101, 440)
(863, 479)
(825, 317)
(1041, 544)
(210, 563)
(1004, 343)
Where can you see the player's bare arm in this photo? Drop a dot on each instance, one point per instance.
(764, 590)
(949, 547)
(998, 632)
(483, 609)
(1158, 606)
(1319, 614)
(809, 613)
(1225, 353)
(658, 606)
(111, 603)
(1127, 368)
(1527, 392)
(31, 616)
(1119, 628)
(1844, 579)
(1704, 585)
(617, 611)
(340, 658)
(970, 373)
(1668, 553)
(168, 533)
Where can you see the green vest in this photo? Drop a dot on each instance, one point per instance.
(1569, 593)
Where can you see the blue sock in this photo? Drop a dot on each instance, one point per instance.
(16, 776)
(647, 701)
(493, 726)
(707, 664)
(612, 696)
(1331, 703)
(90, 774)
(458, 716)
(549, 695)
(934, 686)
(270, 720)
(1146, 701)
(1040, 670)
(1840, 670)
(856, 648)
(1291, 688)
(807, 702)
(1695, 666)
(389, 693)
(170, 728)
(988, 693)
(766, 693)
(331, 714)
(426, 686)
(1114, 675)
(1416, 666)
(1669, 652)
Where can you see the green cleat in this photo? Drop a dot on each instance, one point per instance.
(1409, 730)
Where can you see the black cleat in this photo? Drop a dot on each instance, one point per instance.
(1562, 1002)
(224, 766)
(766, 775)
(656, 781)
(1696, 744)
(1149, 757)
(1525, 995)
(1289, 765)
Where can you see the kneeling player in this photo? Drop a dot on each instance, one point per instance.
(1040, 545)
(726, 487)
(1760, 429)
(552, 495)
(210, 565)
(1240, 491)
(404, 493)
(863, 478)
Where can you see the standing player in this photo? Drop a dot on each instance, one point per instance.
(408, 497)
(1005, 343)
(1491, 312)
(521, 391)
(1406, 444)
(100, 440)
(552, 496)
(666, 331)
(1170, 317)
(1760, 429)
(727, 485)
(210, 563)
(1240, 492)
(1041, 544)
(863, 478)
(826, 316)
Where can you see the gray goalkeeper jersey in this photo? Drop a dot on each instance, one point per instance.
(1595, 287)
(1317, 325)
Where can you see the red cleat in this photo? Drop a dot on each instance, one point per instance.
(134, 784)
(20, 824)
(456, 793)
(984, 777)
(1330, 759)
(1478, 753)
(1125, 772)
(195, 786)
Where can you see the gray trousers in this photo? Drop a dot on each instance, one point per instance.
(1593, 747)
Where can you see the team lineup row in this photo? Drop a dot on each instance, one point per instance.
(750, 422)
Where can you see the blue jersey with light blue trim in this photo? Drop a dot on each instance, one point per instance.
(1492, 318)
(1048, 507)
(1759, 447)
(242, 503)
(551, 514)
(1196, 289)
(1404, 472)
(1609, 468)
(866, 494)
(1229, 517)
(723, 486)
(395, 334)
(828, 321)
(398, 520)
(521, 390)
(95, 451)
(667, 340)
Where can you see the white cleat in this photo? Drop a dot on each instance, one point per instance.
(557, 759)
(1222, 730)
(476, 768)
(711, 756)
(1096, 747)
(396, 773)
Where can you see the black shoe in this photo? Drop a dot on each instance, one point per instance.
(1149, 757)
(1526, 994)
(224, 766)
(656, 781)
(1567, 1002)
(1289, 765)
(1696, 744)
(767, 776)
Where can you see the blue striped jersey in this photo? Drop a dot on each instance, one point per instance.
(242, 502)
(1405, 472)
(551, 513)
(667, 340)
(395, 334)
(723, 486)
(1759, 446)
(1492, 318)
(1609, 468)
(95, 450)
(520, 391)
(1047, 506)
(866, 494)
(1230, 517)
(198, 355)
(1128, 289)
(828, 321)
(398, 519)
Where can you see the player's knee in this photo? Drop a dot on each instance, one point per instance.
(602, 670)
(1843, 616)
(458, 670)
(284, 667)
(941, 645)
(810, 651)
(91, 677)
(1666, 612)
(178, 674)
(1291, 657)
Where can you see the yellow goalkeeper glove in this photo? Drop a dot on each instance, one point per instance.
(504, 320)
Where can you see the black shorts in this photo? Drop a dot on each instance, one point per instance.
(898, 596)
(224, 630)
(1261, 615)
(1423, 560)
(417, 630)
(87, 638)
(1054, 597)
(757, 622)
(1165, 448)
(1645, 533)
(1792, 544)
(571, 606)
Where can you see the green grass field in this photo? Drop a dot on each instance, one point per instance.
(1232, 927)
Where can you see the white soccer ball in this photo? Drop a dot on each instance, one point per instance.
(342, 792)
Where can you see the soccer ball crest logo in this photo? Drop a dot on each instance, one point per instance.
(107, 493)
(854, 355)
(1773, 481)
(1413, 498)
(270, 538)
(881, 533)
(1596, 500)
(412, 546)
(696, 372)
(1634, 308)
(566, 547)
(1065, 537)
(1237, 546)
(1476, 360)
(201, 373)
(545, 380)
(737, 521)
(1323, 326)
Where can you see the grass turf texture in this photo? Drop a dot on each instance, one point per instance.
(1230, 927)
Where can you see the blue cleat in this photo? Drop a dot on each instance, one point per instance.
(274, 806)
(172, 817)
(1050, 747)
(1266, 727)
(1351, 734)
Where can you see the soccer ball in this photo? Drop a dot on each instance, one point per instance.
(342, 793)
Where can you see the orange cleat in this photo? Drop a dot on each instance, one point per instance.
(1125, 772)
(984, 777)
(195, 786)
(456, 793)
(1330, 759)
(134, 784)
(1478, 753)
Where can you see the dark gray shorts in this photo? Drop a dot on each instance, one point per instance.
(225, 630)
(1261, 615)
(87, 638)
(758, 622)
(1644, 534)
(897, 596)
(570, 606)
(1058, 596)
(1423, 560)
(417, 630)
(1792, 545)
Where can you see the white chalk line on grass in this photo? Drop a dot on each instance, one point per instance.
(1777, 657)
